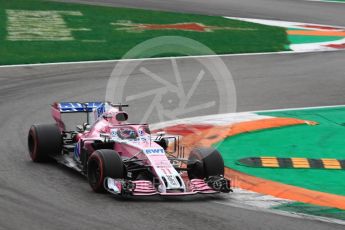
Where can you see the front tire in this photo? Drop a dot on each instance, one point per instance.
(44, 140)
(101, 164)
(205, 163)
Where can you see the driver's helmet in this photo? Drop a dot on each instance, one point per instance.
(127, 133)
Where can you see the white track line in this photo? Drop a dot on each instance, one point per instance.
(284, 24)
(239, 204)
(228, 118)
(298, 108)
(324, 1)
(164, 58)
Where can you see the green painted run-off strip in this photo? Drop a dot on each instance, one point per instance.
(325, 140)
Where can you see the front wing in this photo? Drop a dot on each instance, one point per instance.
(146, 188)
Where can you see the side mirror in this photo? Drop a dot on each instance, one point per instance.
(169, 144)
(164, 143)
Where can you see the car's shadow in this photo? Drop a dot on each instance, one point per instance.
(159, 198)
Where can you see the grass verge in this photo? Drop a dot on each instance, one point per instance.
(74, 32)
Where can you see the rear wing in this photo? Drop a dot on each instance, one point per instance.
(93, 111)
(74, 107)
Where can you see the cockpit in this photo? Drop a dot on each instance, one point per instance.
(127, 133)
(130, 132)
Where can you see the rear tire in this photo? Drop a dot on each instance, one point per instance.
(101, 164)
(204, 163)
(44, 140)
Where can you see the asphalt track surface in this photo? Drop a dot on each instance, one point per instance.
(47, 196)
(288, 10)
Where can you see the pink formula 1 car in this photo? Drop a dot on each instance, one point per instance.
(123, 158)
